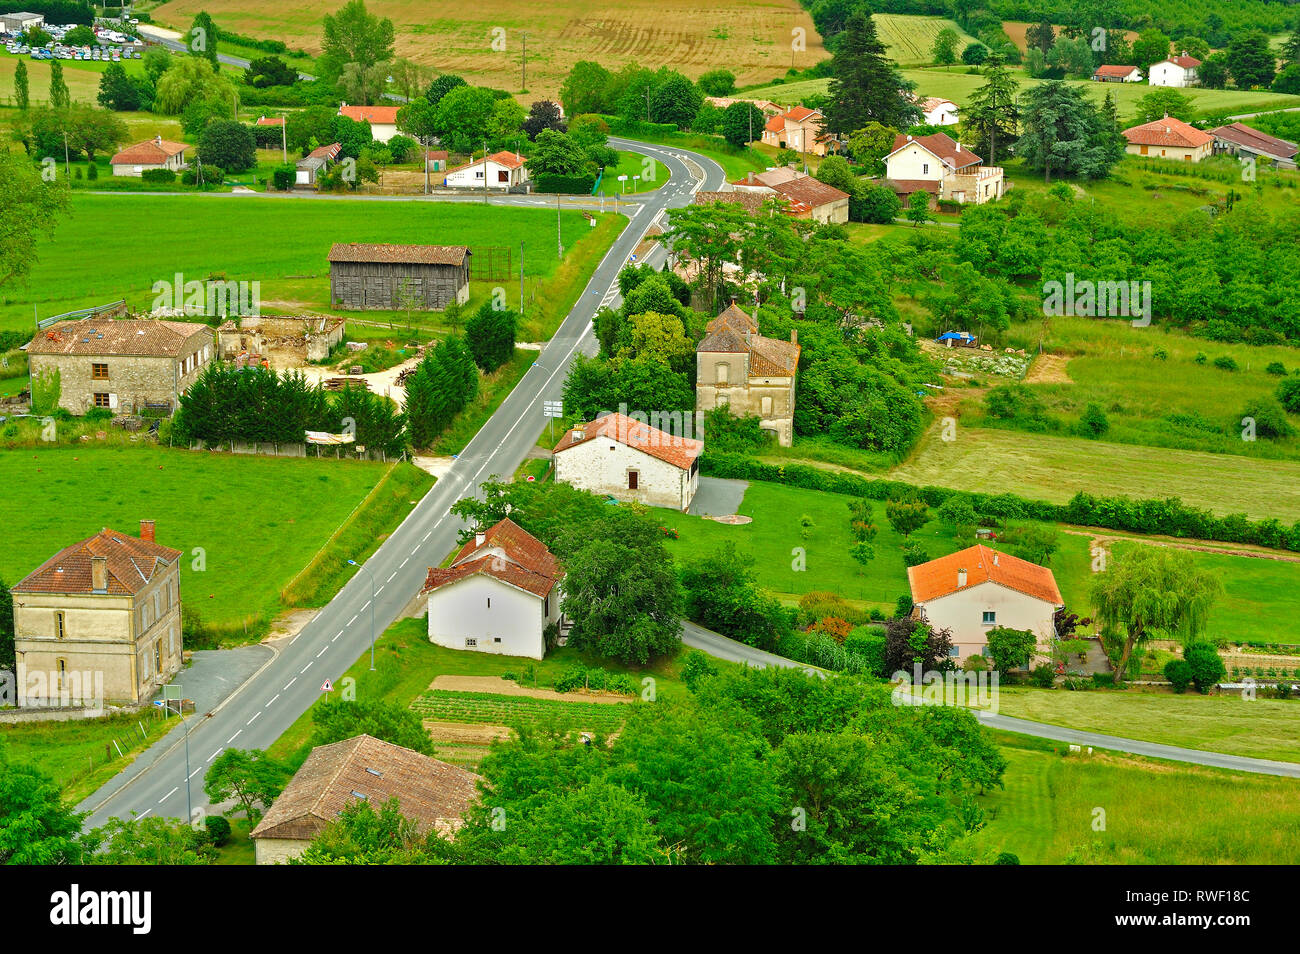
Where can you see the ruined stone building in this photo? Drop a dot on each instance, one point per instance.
(738, 368)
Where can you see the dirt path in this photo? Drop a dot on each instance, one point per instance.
(1048, 369)
(507, 687)
(1201, 546)
(472, 732)
(380, 382)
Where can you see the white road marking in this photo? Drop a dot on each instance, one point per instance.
(365, 604)
(404, 562)
(143, 813)
(305, 668)
(272, 699)
(290, 682)
(254, 719)
(196, 771)
(381, 589)
(353, 619)
(322, 652)
(337, 635)
(390, 577)
(214, 755)
(422, 539)
(169, 795)
(415, 551)
(233, 737)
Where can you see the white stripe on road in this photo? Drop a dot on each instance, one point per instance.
(337, 635)
(353, 619)
(365, 604)
(254, 719)
(415, 551)
(214, 755)
(233, 737)
(196, 771)
(322, 652)
(305, 668)
(422, 539)
(169, 794)
(404, 562)
(390, 577)
(290, 682)
(273, 698)
(380, 590)
(143, 813)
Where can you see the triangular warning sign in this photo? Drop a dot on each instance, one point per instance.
(328, 687)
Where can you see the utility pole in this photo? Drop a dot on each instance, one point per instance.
(647, 104)
(284, 136)
(523, 78)
(485, 172)
(559, 238)
(424, 146)
(521, 280)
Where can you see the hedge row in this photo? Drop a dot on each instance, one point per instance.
(1169, 516)
(564, 185)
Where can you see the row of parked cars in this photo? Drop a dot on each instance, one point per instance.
(111, 45)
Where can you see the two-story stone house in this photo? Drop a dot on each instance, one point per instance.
(122, 365)
(939, 165)
(108, 605)
(752, 375)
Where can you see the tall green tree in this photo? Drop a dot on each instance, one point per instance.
(248, 776)
(742, 123)
(151, 841)
(353, 35)
(202, 39)
(490, 334)
(22, 87)
(1251, 61)
(1148, 591)
(36, 826)
(29, 208)
(1041, 35)
(1062, 133)
(944, 49)
(991, 117)
(1151, 46)
(60, 98)
(866, 84)
(1164, 101)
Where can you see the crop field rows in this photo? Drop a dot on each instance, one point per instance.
(491, 709)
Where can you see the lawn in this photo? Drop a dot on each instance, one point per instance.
(1258, 728)
(752, 39)
(910, 39)
(245, 525)
(280, 242)
(652, 173)
(1154, 812)
(957, 85)
(441, 705)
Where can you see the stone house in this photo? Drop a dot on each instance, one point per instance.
(498, 596)
(1169, 138)
(973, 590)
(430, 792)
(156, 153)
(800, 129)
(939, 165)
(384, 276)
(627, 459)
(123, 365)
(737, 368)
(284, 342)
(110, 605)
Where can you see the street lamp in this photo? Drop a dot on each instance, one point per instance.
(180, 711)
(372, 611)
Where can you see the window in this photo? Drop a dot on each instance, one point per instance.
(59, 629)
(925, 168)
(478, 173)
(954, 651)
(766, 405)
(496, 639)
(157, 655)
(503, 176)
(471, 643)
(99, 372)
(723, 373)
(101, 399)
(990, 617)
(489, 599)
(63, 671)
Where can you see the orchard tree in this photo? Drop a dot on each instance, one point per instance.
(249, 776)
(944, 49)
(908, 515)
(1152, 590)
(718, 83)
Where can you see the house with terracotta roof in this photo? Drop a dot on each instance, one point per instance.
(311, 166)
(939, 165)
(435, 160)
(1169, 138)
(1114, 73)
(801, 195)
(121, 364)
(973, 590)
(155, 153)
(938, 112)
(800, 129)
(394, 277)
(109, 604)
(382, 119)
(625, 457)
(1238, 139)
(501, 594)
(429, 792)
(502, 171)
(737, 368)
(1176, 71)
(269, 121)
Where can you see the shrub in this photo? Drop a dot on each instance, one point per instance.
(696, 667)
(1179, 674)
(1043, 677)
(1275, 368)
(92, 172)
(1103, 680)
(914, 555)
(1268, 416)
(818, 604)
(1200, 358)
(1225, 363)
(1093, 421)
(1006, 858)
(834, 627)
(284, 177)
(868, 643)
(1205, 664)
(158, 175)
(218, 829)
(1160, 354)
(564, 185)
(1288, 394)
(1010, 648)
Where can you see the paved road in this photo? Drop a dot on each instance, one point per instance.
(269, 702)
(723, 648)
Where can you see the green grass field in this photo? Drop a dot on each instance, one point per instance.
(216, 503)
(1153, 812)
(909, 39)
(441, 705)
(957, 85)
(652, 172)
(282, 243)
(1258, 728)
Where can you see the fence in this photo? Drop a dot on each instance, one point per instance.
(114, 308)
(291, 449)
(490, 263)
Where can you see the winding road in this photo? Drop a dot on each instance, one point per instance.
(167, 779)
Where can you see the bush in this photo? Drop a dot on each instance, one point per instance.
(868, 642)
(696, 667)
(1093, 421)
(1268, 416)
(1205, 664)
(819, 604)
(914, 555)
(1179, 674)
(283, 177)
(1276, 368)
(1288, 394)
(1044, 677)
(564, 185)
(1006, 858)
(158, 175)
(218, 829)
(1225, 363)
(92, 172)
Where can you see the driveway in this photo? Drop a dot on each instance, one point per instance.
(718, 497)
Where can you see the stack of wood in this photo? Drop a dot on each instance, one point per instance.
(337, 384)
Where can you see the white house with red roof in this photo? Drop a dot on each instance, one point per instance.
(505, 171)
(106, 609)
(939, 112)
(382, 119)
(498, 596)
(973, 590)
(800, 129)
(626, 458)
(1169, 138)
(1176, 71)
(155, 153)
(941, 166)
(1115, 73)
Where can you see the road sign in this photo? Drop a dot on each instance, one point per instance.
(622, 178)
(531, 478)
(328, 687)
(553, 409)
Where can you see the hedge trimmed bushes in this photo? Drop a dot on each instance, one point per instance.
(564, 185)
(1169, 516)
(158, 175)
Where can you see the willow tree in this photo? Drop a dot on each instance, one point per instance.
(1151, 590)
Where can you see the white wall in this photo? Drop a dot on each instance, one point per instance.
(1171, 74)
(911, 162)
(594, 466)
(499, 617)
(962, 612)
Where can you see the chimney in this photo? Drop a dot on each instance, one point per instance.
(794, 336)
(579, 434)
(959, 145)
(158, 139)
(479, 539)
(961, 577)
(995, 559)
(146, 530)
(99, 574)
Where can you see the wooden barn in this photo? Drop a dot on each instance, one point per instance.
(397, 277)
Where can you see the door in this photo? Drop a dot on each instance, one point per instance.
(631, 479)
